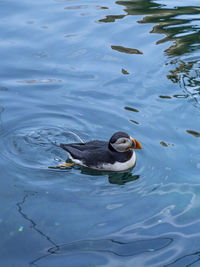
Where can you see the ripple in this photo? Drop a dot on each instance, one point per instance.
(186, 73)
(40, 81)
(35, 147)
(118, 248)
(77, 7)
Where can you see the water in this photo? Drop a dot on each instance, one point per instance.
(93, 68)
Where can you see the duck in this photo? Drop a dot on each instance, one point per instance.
(114, 155)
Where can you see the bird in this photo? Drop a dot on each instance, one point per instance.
(114, 155)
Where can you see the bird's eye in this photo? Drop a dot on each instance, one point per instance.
(124, 141)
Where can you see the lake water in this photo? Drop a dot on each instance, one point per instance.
(90, 68)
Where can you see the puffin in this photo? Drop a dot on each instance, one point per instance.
(114, 155)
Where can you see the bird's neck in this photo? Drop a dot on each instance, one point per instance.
(111, 148)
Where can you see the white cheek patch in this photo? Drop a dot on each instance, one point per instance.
(120, 146)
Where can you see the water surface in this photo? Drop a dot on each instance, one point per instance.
(93, 68)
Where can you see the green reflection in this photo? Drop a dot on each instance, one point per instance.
(176, 23)
(187, 74)
(119, 178)
(126, 50)
(112, 18)
(180, 27)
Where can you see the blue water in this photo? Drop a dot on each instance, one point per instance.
(91, 68)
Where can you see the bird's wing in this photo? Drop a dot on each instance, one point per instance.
(74, 152)
(89, 153)
(86, 146)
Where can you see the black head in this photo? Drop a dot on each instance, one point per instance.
(122, 142)
(118, 135)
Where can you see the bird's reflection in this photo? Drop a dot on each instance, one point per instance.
(119, 178)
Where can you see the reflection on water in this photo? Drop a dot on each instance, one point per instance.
(126, 50)
(34, 225)
(181, 27)
(178, 24)
(187, 75)
(186, 260)
(110, 245)
(119, 178)
(141, 76)
(118, 248)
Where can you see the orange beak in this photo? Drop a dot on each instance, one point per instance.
(136, 144)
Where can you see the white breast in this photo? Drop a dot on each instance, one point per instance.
(120, 166)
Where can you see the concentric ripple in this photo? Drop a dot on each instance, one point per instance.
(35, 147)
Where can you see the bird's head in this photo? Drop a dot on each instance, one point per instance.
(122, 142)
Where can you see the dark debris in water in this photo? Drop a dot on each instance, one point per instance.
(134, 121)
(131, 109)
(194, 133)
(165, 96)
(125, 72)
(163, 144)
(126, 50)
